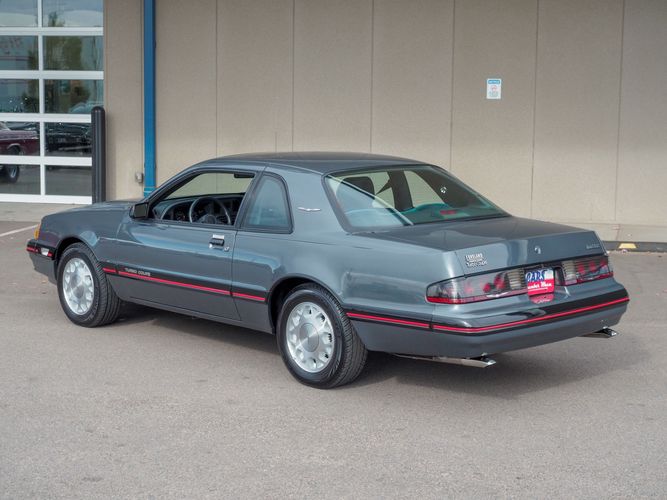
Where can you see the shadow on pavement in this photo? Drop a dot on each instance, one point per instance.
(516, 373)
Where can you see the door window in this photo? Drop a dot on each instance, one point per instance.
(206, 198)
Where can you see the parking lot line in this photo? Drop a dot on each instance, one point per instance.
(18, 230)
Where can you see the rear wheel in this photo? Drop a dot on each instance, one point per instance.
(10, 173)
(316, 339)
(85, 293)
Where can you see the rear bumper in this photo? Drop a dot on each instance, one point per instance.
(429, 341)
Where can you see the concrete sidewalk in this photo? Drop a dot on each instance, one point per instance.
(30, 212)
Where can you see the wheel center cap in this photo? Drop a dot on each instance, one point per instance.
(308, 336)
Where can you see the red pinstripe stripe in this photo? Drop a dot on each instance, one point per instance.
(383, 319)
(530, 320)
(249, 297)
(174, 283)
(109, 270)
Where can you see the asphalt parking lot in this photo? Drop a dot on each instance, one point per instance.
(164, 406)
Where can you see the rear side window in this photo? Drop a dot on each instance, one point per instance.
(268, 208)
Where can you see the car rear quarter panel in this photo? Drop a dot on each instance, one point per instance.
(364, 273)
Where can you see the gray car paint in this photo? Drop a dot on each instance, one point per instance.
(380, 272)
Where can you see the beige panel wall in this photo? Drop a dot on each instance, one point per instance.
(186, 84)
(332, 74)
(254, 75)
(392, 75)
(576, 125)
(123, 96)
(492, 140)
(412, 79)
(642, 175)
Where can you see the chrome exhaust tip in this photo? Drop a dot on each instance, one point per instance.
(605, 333)
(481, 362)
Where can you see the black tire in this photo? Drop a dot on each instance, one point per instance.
(10, 173)
(349, 353)
(105, 304)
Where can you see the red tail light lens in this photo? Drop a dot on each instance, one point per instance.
(512, 282)
(586, 269)
(477, 288)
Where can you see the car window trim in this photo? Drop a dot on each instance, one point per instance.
(266, 229)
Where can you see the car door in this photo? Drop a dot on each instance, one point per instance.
(185, 265)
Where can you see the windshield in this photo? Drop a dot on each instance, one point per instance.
(405, 196)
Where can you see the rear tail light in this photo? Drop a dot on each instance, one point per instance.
(586, 269)
(512, 281)
(477, 288)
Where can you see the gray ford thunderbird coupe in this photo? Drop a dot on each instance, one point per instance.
(336, 254)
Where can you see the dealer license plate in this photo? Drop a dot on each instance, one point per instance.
(540, 281)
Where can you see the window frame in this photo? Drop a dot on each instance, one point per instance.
(181, 179)
(41, 117)
(251, 200)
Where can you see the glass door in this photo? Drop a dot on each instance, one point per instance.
(51, 76)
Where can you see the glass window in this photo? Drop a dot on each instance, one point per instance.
(68, 139)
(19, 179)
(76, 53)
(19, 96)
(269, 209)
(68, 181)
(18, 13)
(60, 13)
(19, 138)
(420, 194)
(208, 198)
(213, 183)
(18, 52)
(72, 96)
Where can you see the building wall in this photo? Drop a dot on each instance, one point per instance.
(579, 135)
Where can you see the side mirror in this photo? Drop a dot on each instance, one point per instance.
(139, 211)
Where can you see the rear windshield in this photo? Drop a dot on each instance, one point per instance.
(405, 196)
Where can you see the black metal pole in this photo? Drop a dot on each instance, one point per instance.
(99, 154)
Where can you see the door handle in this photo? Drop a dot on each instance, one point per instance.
(217, 240)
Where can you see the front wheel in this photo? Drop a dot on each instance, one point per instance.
(316, 339)
(85, 293)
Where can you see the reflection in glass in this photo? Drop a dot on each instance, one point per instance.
(72, 96)
(76, 53)
(59, 13)
(19, 179)
(19, 96)
(18, 52)
(68, 139)
(68, 181)
(18, 13)
(19, 138)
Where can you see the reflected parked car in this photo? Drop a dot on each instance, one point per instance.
(16, 142)
(68, 139)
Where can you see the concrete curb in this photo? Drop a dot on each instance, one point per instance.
(635, 246)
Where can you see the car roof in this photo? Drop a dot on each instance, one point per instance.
(322, 162)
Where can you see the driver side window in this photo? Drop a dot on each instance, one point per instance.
(207, 198)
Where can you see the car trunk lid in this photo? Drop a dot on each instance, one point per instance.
(501, 242)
